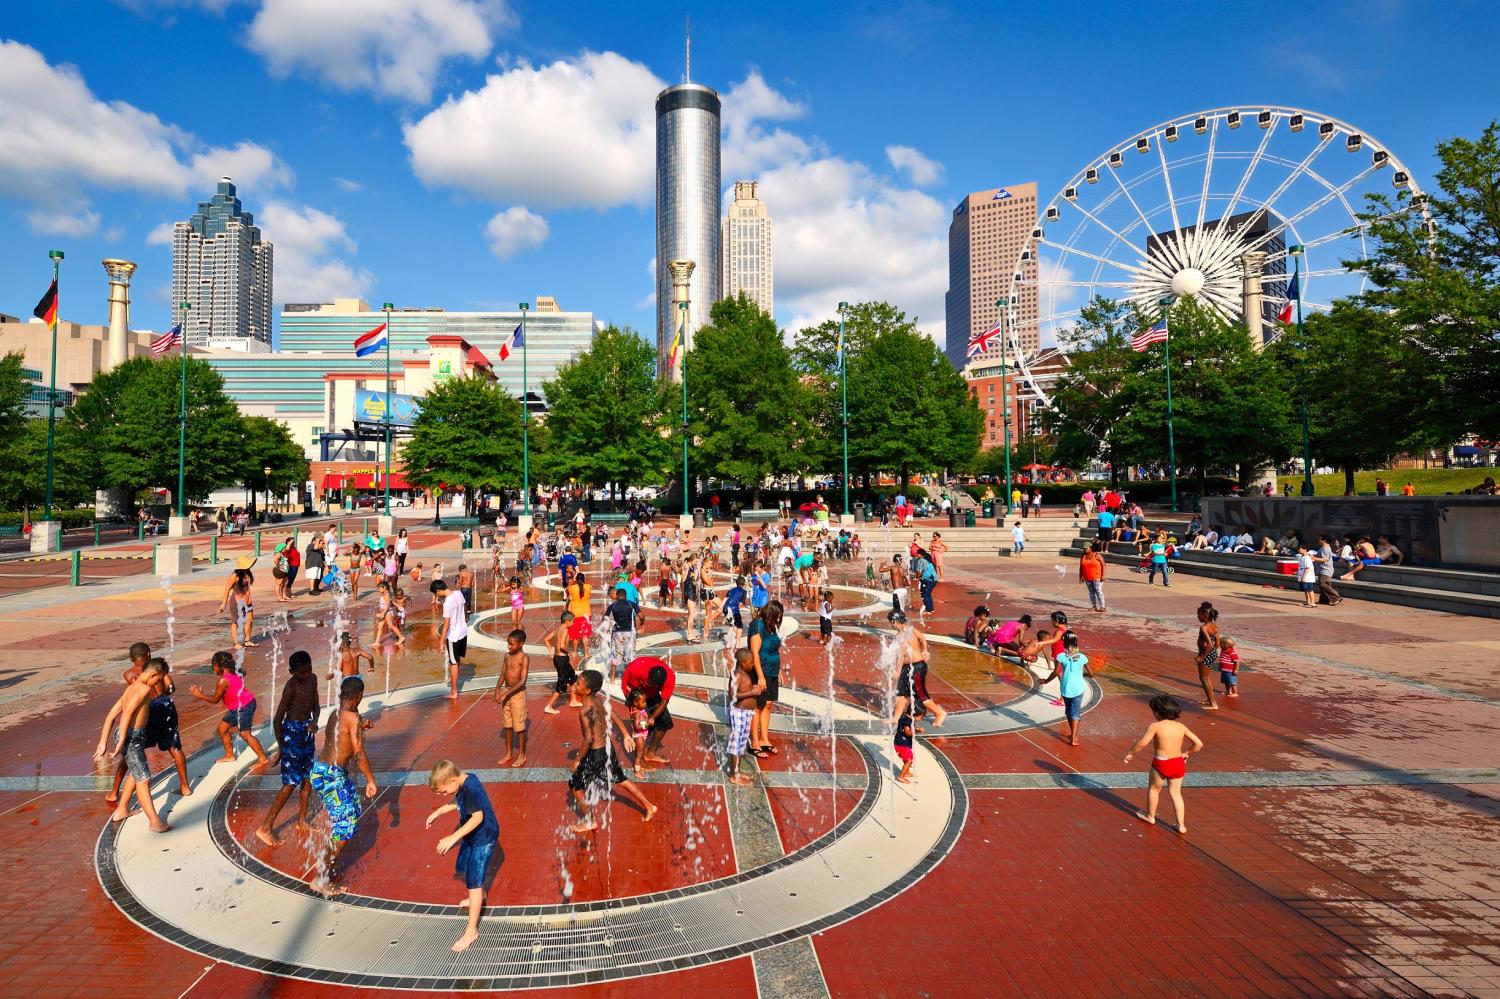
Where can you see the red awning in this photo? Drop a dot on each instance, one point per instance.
(398, 481)
(363, 480)
(476, 356)
(333, 480)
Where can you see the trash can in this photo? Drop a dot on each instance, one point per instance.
(953, 516)
(551, 520)
(859, 513)
(988, 509)
(969, 517)
(699, 519)
(708, 518)
(468, 537)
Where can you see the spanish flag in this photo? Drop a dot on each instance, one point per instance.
(46, 309)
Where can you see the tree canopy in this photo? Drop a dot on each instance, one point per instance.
(747, 412)
(605, 414)
(467, 435)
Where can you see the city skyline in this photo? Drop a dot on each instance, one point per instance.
(364, 174)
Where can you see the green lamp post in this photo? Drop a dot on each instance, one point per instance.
(1295, 251)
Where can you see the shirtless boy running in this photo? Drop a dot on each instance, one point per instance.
(132, 711)
(911, 687)
(343, 744)
(559, 643)
(1166, 736)
(598, 768)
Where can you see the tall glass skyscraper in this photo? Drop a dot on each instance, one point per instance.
(687, 205)
(222, 268)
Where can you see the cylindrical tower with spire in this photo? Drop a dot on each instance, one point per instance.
(119, 272)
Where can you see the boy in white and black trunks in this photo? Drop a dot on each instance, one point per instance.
(598, 768)
(560, 643)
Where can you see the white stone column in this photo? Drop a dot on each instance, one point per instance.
(174, 560)
(46, 536)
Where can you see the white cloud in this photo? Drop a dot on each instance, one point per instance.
(917, 168)
(395, 48)
(160, 235)
(345, 184)
(750, 147)
(69, 220)
(61, 139)
(309, 244)
(514, 230)
(578, 133)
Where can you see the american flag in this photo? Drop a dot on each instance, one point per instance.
(166, 341)
(981, 343)
(1156, 334)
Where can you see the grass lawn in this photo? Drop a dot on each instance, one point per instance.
(1428, 481)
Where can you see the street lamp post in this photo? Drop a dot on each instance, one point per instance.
(525, 418)
(1000, 305)
(57, 258)
(1295, 251)
(844, 393)
(1166, 304)
(267, 514)
(386, 412)
(682, 309)
(182, 414)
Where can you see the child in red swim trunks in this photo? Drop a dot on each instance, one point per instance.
(1166, 736)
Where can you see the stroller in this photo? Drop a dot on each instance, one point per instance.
(334, 579)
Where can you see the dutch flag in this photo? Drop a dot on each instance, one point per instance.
(368, 343)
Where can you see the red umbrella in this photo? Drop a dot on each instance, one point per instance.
(1036, 468)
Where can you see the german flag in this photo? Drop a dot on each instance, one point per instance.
(46, 309)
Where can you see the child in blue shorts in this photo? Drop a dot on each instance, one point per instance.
(476, 836)
(1229, 667)
(1072, 666)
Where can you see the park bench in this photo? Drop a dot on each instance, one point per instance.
(10, 532)
(609, 518)
(758, 516)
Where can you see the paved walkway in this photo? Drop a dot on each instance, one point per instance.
(1343, 814)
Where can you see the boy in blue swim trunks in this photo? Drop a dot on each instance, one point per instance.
(295, 727)
(343, 744)
(476, 836)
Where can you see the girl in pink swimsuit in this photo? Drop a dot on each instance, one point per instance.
(239, 707)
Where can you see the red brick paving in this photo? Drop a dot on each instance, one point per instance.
(1278, 891)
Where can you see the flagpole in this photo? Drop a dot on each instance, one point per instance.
(844, 390)
(57, 257)
(386, 417)
(682, 308)
(1295, 252)
(525, 417)
(1000, 305)
(182, 415)
(1166, 303)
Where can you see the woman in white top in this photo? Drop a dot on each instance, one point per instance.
(402, 547)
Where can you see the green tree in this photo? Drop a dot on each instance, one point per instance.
(23, 485)
(1232, 404)
(1359, 399)
(467, 435)
(604, 417)
(267, 443)
(1089, 395)
(1440, 280)
(815, 358)
(908, 408)
(129, 417)
(747, 412)
(12, 395)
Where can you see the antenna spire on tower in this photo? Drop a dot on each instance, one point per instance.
(687, 69)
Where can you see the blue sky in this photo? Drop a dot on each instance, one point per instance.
(475, 153)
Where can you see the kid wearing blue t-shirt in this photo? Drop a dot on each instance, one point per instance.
(475, 837)
(1072, 666)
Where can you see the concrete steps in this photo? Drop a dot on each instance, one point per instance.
(1440, 589)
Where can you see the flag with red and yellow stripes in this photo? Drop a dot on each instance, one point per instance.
(46, 309)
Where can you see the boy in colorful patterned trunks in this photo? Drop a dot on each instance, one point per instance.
(343, 744)
(294, 725)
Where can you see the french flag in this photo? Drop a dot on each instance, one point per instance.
(515, 342)
(368, 343)
(1293, 292)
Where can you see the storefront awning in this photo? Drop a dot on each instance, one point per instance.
(362, 480)
(332, 480)
(398, 481)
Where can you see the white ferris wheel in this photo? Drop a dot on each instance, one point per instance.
(1187, 205)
